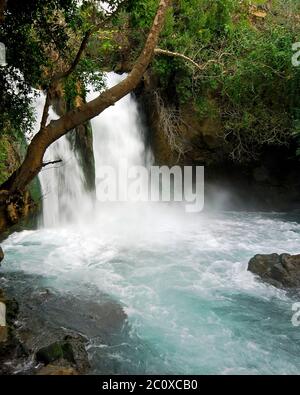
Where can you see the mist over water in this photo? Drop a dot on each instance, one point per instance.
(181, 278)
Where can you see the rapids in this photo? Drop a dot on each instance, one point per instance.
(182, 280)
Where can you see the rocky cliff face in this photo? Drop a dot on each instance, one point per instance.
(179, 136)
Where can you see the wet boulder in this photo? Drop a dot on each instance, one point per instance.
(282, 271)
(47, 316)
(67, 353)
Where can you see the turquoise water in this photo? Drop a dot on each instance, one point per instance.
(182, 280)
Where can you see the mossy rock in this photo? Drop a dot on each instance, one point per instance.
(70, 349)
(51, 353)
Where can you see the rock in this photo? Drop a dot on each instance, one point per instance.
(51, 353)
(1, 255)
(279, 270)
(53, 370)
(70, 349)
(76, 351)
(12, 310)
(46, 317)
(84, 149)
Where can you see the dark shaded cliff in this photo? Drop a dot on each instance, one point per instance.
(179, 136)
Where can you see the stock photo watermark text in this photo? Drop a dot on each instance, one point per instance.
(143, 184)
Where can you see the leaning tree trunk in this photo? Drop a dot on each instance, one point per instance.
(33, 162)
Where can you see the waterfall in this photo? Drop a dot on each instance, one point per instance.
(62, 184)
(118, 132)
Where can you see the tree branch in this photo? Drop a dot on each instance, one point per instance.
(76, 60)
(159, 51)
(33, 161)
(201, 67)
(69, 71)
(81, 49)
(45, 111)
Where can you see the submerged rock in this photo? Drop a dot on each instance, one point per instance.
(279, 270)
(49, 319)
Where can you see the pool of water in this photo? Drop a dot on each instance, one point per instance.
(182, 280)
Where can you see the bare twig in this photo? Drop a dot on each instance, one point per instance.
(170, 122)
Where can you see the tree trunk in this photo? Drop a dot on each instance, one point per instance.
(33, 161)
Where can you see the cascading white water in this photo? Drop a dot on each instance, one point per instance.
(62, 184)
(118, 133)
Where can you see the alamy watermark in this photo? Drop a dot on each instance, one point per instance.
(2, 55)
(155, 184)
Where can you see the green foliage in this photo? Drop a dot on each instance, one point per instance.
(29, 28)
(42, 39)
(247, 82)
(141, 13)
(3, 158)
(15, 111)
(11, 151)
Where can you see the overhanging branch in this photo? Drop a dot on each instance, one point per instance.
(33, 161)
(201, 67)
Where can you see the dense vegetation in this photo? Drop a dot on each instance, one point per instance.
(247, 80)
(63, 39)
(41, 38)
